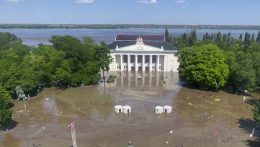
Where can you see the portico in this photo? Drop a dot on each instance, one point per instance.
(139, 62)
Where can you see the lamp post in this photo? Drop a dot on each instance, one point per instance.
(204, 117)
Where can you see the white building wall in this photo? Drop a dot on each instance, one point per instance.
(171, 62)
(168, 60)
(113, 65)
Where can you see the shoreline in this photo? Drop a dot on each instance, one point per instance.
(126, 26)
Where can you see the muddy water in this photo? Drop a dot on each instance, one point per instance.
(199, 118)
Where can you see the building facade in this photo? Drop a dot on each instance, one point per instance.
(143, 53)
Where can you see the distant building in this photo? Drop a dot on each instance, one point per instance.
(143, 53)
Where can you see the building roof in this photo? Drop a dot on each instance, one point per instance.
(154, 38)
(157, 41)
(119, 44)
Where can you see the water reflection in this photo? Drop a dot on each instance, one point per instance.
(49, 104)
(151, 80)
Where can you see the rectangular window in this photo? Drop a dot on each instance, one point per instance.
(154, 59)
(147, 58)
(140, 59)
(132, 57)
(125, 58)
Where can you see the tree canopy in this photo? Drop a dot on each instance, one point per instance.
(242, 56)
(204, 67)
(5, 105)
(67, 62)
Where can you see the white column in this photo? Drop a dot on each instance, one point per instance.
(143, 65)
(121, 62)
(136, 59)
(158, 62)
(150, 64)
(128, 63)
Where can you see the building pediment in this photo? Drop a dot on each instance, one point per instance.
(141, 48)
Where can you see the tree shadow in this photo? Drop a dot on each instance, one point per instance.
(247, 125)
(10, 126)
(252, 101)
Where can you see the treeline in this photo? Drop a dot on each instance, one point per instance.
(125, 26)
(68, 62)
(219, 60)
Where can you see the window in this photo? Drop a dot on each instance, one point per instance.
(140, 59)
(147, 58)
(154, 59)
(124, 58)
(132, 57)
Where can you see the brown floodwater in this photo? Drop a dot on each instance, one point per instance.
(199, 118)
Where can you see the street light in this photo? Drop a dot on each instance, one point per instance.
(204, 117)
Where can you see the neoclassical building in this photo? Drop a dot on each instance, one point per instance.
(143, 53)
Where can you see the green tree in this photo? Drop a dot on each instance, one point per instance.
(247, 41)
(5, 105)
(242, 72)
(10, 70)
(204, 67)
(167, 35)
(5, 116)
(73, 48)
(258, 37)
(256, 111)
(8, 40)
(253, 38)
(206, 38)
(241, 37)
(104, 58)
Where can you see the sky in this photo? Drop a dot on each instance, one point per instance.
(188, 12)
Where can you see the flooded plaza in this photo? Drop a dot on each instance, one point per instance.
(199, 118)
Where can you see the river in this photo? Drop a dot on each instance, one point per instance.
(34, 37)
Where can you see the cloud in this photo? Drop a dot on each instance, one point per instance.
(84, 1)
(15, 1)
(180, 1)
(147, 1)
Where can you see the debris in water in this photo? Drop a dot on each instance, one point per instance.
(252, 133)
(158, 109)
(47, 99)
(167, 109)
(126, 109)
(118, 108)
(171, 132)
(244, 98)
(130, 144)
(190, 104)
(217, 100)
